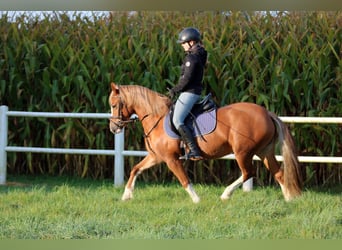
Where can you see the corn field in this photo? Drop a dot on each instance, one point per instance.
(289, 63)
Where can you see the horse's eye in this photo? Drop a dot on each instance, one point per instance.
(114, 106)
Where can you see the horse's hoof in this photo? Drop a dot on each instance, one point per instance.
(125, 198)
(128, 195)
(196, 200)
(224, 197)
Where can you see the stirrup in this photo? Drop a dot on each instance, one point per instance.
(184, 157)
(191, 157)
(196, 158)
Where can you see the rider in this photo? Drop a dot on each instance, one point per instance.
(189, 86)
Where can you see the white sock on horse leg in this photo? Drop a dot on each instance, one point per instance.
(192, 193)
(247, 186)
(230, 189)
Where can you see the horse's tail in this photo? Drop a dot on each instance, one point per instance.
(293, 181)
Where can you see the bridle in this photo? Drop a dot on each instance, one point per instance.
(120, 123)
(123, 123)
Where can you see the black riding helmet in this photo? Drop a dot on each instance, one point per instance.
(189, 34)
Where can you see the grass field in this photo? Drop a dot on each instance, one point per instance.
(64, 208)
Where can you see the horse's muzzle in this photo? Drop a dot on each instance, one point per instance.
(114, 127)
(115, 130)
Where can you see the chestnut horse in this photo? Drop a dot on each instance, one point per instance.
(245, 129)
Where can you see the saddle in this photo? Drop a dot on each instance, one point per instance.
(201, 120)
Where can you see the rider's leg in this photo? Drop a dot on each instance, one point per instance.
(195, 153)
(183, 106)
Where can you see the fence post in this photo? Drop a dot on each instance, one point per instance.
(3, 143)
(119, 159)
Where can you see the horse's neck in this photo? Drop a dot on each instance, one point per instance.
(146, 104)
(138, 105)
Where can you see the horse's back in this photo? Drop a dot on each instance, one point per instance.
(247, 122)
(245, 110)
(247, 107)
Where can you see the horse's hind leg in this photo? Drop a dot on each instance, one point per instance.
(247, 186)
(273, 166)
(246, 166)
(230, 189)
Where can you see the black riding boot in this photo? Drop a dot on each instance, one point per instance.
(195, 153)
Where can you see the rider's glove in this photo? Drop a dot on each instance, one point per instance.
(172, 93)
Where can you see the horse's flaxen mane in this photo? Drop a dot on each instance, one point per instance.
(139, 96)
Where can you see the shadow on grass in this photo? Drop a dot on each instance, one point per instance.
(49, 183)
(326, 189)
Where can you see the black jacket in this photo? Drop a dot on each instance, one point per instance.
(192, 71)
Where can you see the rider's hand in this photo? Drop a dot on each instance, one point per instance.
(172, 93)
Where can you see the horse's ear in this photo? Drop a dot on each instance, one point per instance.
(115, 88)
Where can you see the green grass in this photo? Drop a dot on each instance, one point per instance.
(64, 208)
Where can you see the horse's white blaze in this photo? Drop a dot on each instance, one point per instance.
(192, 193)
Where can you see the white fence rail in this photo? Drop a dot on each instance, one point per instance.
(118, 151)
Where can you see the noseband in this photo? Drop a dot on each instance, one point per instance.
(120, 123)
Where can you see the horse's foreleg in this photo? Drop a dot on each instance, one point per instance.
(147, 162)
(175, 165)
(195, 198)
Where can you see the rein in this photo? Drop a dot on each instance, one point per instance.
(123, 123)
(154, 126)
(146, 135)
